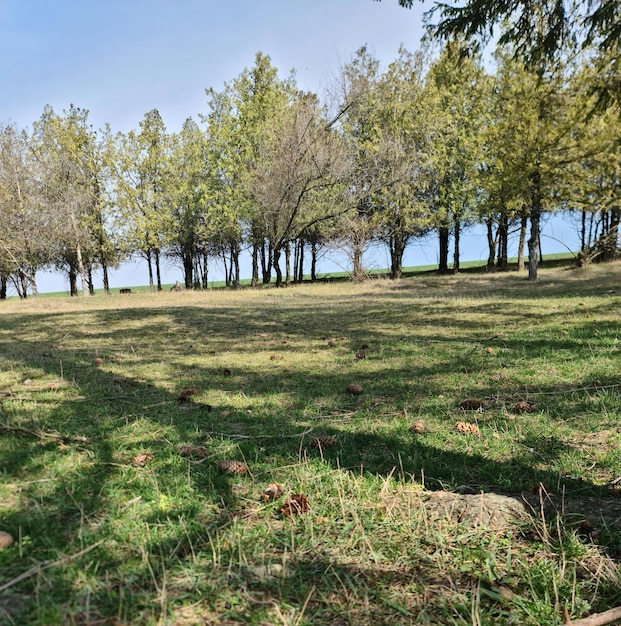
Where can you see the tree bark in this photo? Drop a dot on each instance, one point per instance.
(443, 235)
(457, 227)
(522, 241)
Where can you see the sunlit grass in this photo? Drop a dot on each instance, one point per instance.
(88, 385)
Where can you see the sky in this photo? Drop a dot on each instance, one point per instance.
(120, 59)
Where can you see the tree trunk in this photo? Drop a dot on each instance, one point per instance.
(158, 273)
(535, 219)
(205, 270)
(503, 241)
(188, 268)
(235, 264)
(300, 277)
(443, 233)
(287, 264)
(397, 248)
(457, 226)
(313, 260)
(267, 261)
(73, 280)
(255, 263)
(3, 286)
(277, 267)
(491, 244)
(150, 268)
(522, 241)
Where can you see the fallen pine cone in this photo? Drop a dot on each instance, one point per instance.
(199, 452)
(322, 442)
(226, 372)
(185, 395)
(496, 378)
(472, 405)
(275, 357)
(467, 428)
(360, 355)
(233, 467)
(140, 460)
(355, 390)
(524, 406)
(298, 503)
(98, 361)
(418, 427)
(272, 491)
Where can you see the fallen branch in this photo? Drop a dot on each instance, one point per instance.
(44, 435)
(597, 619)
(47, 565)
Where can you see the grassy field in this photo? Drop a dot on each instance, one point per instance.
(117, 412)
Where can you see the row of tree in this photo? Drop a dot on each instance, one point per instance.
(389, 156)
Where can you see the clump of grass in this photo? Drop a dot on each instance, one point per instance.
(174, 539)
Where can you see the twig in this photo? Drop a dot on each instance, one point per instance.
(597, 619)
(233, 436)
(47, 565)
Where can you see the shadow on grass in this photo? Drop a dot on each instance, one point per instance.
(125, 416)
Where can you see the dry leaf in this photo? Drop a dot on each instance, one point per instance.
(140, 460)
(272, 491)
(467, 428)
(298, 503)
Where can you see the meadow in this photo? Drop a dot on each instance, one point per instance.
(266, 456)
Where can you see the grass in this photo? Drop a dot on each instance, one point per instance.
(89, 384)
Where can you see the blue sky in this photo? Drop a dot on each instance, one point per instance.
(121, 58)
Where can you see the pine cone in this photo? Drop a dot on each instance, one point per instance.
(524, 406)
(185, 395)
(467, 428)
(472, 405)
(272, 491)
(298, 503)
(233, 467)
(497, 378)
(322, 442)
(418, 427)
(140, 460)
(199, 452)
(355, 390)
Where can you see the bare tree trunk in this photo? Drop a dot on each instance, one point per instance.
(255, 263)
(522, 241)
(313, 261)
(535, 219)
(457, 226)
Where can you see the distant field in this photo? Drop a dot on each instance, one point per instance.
(550, 259)
(117, 413)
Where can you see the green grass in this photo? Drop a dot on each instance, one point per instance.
(106, 541)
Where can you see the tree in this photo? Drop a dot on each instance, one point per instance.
(65, 151)
(299, 157)
(142, 191)
(459, 87)
(25, 246)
